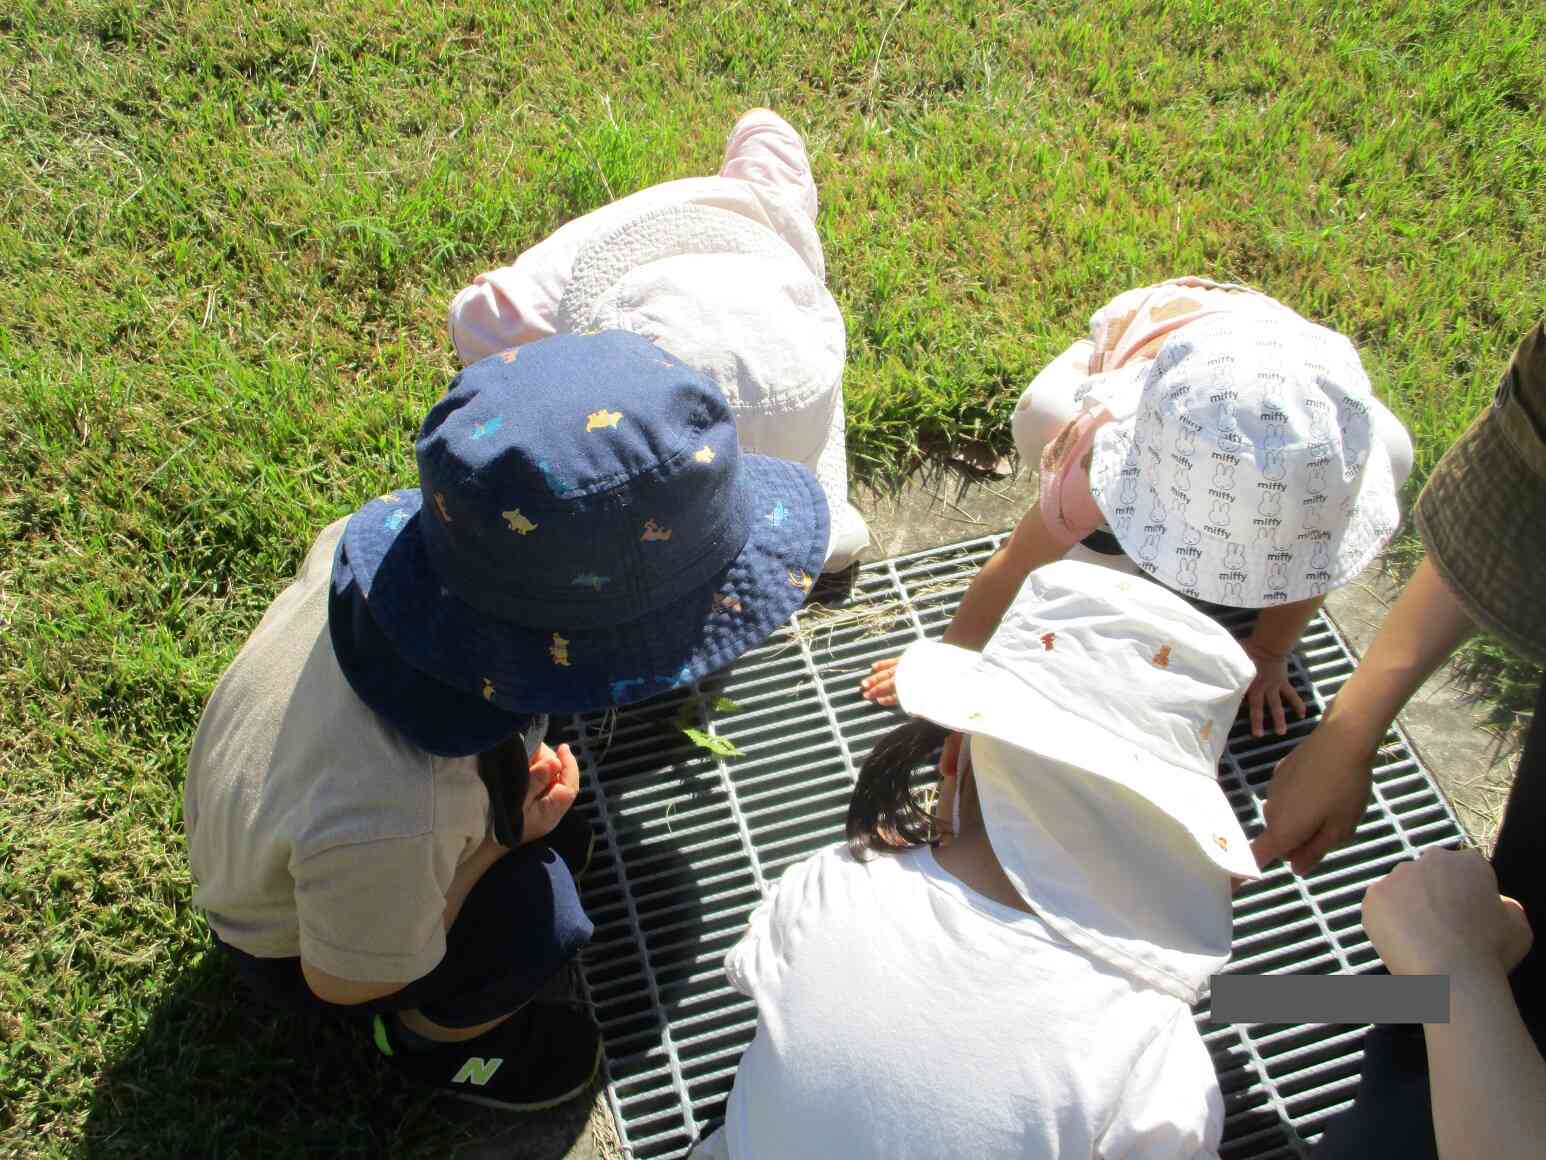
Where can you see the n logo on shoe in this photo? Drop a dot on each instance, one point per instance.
(477, 1070)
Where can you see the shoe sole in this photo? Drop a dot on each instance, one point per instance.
(541, 1105)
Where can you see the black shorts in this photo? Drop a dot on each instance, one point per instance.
(521, 922)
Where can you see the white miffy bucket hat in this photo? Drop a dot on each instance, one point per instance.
(730, 298)
(1243, 467)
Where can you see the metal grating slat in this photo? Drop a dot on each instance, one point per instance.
(689, 842)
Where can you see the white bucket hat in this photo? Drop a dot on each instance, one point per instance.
(1242, 466)
(1125, 694)
(730, 298)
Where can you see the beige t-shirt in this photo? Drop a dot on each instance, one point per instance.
(314, 828)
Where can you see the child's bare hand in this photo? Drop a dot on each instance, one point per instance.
(880, 685)
(553, 785)
(1270, 689)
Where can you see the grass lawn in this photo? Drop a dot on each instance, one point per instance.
(228, 235)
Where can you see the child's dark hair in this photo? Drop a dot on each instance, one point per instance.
(884, 815)
(505, 772)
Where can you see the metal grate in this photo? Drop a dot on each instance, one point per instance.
(690, 842)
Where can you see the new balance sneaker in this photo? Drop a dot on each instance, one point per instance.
(543, 1055)
(574, 841)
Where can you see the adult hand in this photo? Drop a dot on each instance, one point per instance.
(1270, 689)
(880, 685)
(1442, 915)
(1318, 794)
(552, 786)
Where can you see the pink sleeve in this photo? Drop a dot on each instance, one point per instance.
(764, 149)
(517, 304)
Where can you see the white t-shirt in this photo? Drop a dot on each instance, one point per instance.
(902, 1014)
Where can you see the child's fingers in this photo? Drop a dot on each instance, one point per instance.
(1254, 700)
(1279, 717)
(1298, 702)
(568, 769)
(881, 690)
(881, 683)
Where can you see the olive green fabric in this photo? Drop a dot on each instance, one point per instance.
(1482, 515)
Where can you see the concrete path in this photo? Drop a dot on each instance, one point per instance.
(944, 505)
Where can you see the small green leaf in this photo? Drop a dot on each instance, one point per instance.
(721, 746)
(725, 705)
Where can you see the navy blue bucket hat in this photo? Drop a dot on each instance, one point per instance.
(586, 533)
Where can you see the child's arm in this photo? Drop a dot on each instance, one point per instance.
(1277, 631)
(991, 592)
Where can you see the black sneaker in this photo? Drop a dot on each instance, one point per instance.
(574, 841)
(542, 1056)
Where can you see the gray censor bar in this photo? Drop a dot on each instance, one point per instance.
(1330, 998)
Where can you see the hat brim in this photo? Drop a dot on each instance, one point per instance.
(1480, 517)
(556, 669)
(966, 692)
(1105, 868)
(436, 717)
(1353, 547)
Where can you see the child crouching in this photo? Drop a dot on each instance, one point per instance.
(1216, 441)
(1025, 988)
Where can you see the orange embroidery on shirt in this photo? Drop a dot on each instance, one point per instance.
(1206, 731)
(653, 531)
(509, 355)
(1162, 658)
(1046, 640)
(440, 502)
(1223, 842)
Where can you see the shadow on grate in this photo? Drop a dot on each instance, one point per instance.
(691, 840)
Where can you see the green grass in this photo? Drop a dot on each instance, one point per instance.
(228, 235)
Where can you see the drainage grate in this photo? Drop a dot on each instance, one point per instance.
(691, 841)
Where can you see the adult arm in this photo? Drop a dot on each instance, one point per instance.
(1442, 915)
(1320, 790)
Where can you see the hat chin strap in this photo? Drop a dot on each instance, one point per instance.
(499, 770)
